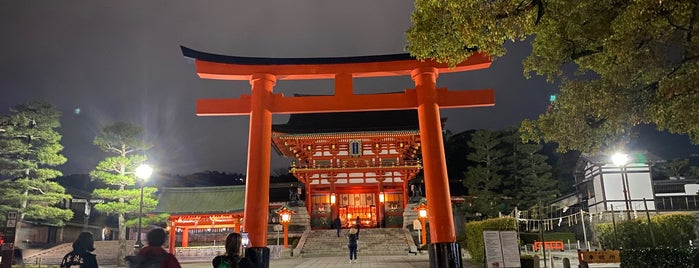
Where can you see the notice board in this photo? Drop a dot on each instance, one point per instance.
(501, 249)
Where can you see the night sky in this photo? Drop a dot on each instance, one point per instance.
(105, 61)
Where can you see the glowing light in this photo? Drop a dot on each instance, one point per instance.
(620, 159)
(381, 197)
(333, 198)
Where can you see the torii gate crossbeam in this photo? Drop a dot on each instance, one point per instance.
(262, 103)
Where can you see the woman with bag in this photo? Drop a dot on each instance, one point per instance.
(234, 254)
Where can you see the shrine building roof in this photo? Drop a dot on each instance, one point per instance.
(201, 200)
(399, 120)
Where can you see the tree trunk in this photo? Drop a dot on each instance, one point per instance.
(122, 242)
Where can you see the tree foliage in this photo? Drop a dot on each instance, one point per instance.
(29, 149)
(506, 173)
(633, 62)
(125, 143)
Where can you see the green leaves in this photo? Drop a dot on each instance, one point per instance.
(634, 62)
(29, 148)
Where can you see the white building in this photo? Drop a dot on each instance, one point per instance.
(603, 186)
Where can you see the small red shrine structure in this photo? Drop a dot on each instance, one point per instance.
(356, 159)
(201, 208)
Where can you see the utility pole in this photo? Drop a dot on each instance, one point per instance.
(541, 233)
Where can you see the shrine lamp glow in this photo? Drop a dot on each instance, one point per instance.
(333, 198)
(422, 215)
(381, 197)
(285, 218)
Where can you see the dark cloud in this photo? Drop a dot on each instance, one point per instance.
(120, 60)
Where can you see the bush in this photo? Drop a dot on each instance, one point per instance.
(529, 238)
(528, 261)
(670, 230)
(474, 234)
(661, 257)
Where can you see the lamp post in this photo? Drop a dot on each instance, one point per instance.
(620, 160)
(422, 215)
(143, 172)
(285, 218)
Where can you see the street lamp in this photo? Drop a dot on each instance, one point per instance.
(422, 215)
(143, 172)
(620, 160)
(285, 218)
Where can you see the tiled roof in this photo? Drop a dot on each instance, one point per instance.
(350, 122)
(201, 200)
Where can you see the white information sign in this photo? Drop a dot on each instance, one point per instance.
(510, 249)
(493, 249)
(501, 249)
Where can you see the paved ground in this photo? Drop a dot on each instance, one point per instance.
(419, 261)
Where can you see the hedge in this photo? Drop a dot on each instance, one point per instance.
(670, 230)
(474, 234)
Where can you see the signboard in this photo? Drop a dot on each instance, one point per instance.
(603, 256)
(501, 249)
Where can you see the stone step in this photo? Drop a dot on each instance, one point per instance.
(378, 242)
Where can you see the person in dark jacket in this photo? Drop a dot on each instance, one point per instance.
(337, 223)
(81, 254)
(234, 253)
(352, 238)
(154, 250)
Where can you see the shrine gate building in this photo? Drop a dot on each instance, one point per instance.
(353, 165)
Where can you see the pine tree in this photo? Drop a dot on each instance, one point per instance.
(536, 179)
(484, 179)
(29, 149)
(125, 142)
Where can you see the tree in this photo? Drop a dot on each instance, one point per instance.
(527, 176)
(484, 179)
(536, 182)
(125, 142)
(635, 62)
(29, 149)
(676, 168)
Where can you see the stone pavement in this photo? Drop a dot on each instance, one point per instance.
(419, 261)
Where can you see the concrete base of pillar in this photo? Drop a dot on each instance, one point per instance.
(445, 255)
(258, 256)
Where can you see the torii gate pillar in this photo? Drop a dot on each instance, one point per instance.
(259, 154)
(444, 251)
(262, 103)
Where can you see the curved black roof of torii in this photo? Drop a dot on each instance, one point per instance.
(204, 56)
(398, 120)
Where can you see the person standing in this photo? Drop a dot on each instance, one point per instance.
(154, 252)
(81, 255)
(337, 223)
(358, 223)
(352, 238)
(234, 254)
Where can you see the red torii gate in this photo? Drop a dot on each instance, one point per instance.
(262, 103)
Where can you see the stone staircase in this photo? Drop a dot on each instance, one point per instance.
(105, 251)
(372, 242)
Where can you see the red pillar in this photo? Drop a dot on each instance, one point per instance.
(185, 237)
(237, 224)
(308, 196)
(436, 179)
(259, 155)
(405, 192)
(286, 235)
(443, 249)
(173, 238)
